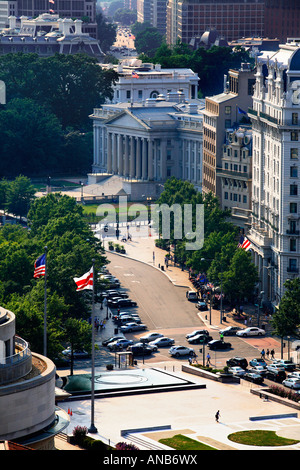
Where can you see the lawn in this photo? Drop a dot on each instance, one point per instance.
(180, 442)
(260, 438)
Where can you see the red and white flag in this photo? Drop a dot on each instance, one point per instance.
(86, 281)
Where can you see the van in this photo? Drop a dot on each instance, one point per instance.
(192, 296)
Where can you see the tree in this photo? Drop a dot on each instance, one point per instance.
(31, 138)
(148, 40)
(20, 193)
(286, 319)
(78, 335)
(107, 32)
(240, 280)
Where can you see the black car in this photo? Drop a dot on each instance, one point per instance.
(230, 330)
(252, 377)
(200, 339)
(123, 303)
(276, 375)
(237, 361)
(218, 344)
(140, 351)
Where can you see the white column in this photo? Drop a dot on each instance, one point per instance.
(144, 158)
(109, 153)
(120, 154)
(138, 171)
(132, 157)
(126, 156)
(115, 154)
(150, 159)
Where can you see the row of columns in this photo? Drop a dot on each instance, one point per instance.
(128, 155)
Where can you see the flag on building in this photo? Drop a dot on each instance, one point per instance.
(51, 1)
(51, 11)
(244, 243)
(86, 281)
(135, 75)
(241, 111)
(40, 266)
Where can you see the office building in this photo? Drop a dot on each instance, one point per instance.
(275, 230)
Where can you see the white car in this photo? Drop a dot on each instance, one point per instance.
(275, 367)
(120, 344)
(251, 331)
(161, 342)
(132, 326)
(236, 370)
(150, 337)
(295, 374)
(181, 351)
(292, 382)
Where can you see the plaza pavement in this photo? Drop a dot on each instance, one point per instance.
(188, 412)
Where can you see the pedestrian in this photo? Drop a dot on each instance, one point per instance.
(262, 353)
(217, 416)
(245, 321)
(272, 354)
(221, 336)
(208, 359)
(268, 353)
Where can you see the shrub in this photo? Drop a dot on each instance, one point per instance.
(125, 446)
(79, 432)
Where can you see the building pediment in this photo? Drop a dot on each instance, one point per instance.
(126, 120)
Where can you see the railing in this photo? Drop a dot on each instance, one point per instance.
(18, 365)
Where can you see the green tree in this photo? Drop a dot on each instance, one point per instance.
(20, 193)
(286, 319)
(107, 32)
(78, 335)
(148, 41)
(241, 277)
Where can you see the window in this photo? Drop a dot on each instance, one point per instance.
(293, 244)
(227, 109)
(294, 153)
(293, 172)
(292, 265)
(295, 118)
(293, 207)
(128, 94)
(226, 195)
(140, 94)
(293, 190)
(294, 136)
(245, 199)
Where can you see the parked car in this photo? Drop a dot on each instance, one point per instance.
(292, 382)
(287, 364)
(123, 303)
(230, 330)
(252, 377)
(258, 362)
(162, 342)
(276, 375)
(237, 361)
(261, 370)
(275, 367)
(112, 339)
(192, 296)
(251, 331)
(77, 353)
(197, 332)
(150, 337)
(202, 306)
(200, 339)
(126, 319)
(119, 344)
(295, 374)
(218, 344)
(152, 346)
(178, 351)
(132, 326)
(237, 370)
(143, 350)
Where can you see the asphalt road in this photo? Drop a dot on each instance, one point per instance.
(164, 308)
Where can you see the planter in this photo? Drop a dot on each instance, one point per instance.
(111, 248)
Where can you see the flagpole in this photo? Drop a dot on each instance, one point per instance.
(45, 306)
(92, 428)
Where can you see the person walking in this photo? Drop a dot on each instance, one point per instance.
(217, 416)
(272, 354)
(262, 353)
(208, 359)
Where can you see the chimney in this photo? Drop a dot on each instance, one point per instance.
(66, 26)
(78, 27)
(12, 22)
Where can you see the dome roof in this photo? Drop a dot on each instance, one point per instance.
(209, 37)
(295, 61)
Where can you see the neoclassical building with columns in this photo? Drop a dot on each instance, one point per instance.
(149, 141)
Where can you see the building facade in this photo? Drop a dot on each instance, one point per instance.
(275, 230)
(223, 112)
(150, 142)
(137, 82)
(231, 18)
(75, 9)
(236, 175)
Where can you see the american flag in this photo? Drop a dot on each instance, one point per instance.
(86, 281)
(40, 266)
(244, 243)
(135, 75)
